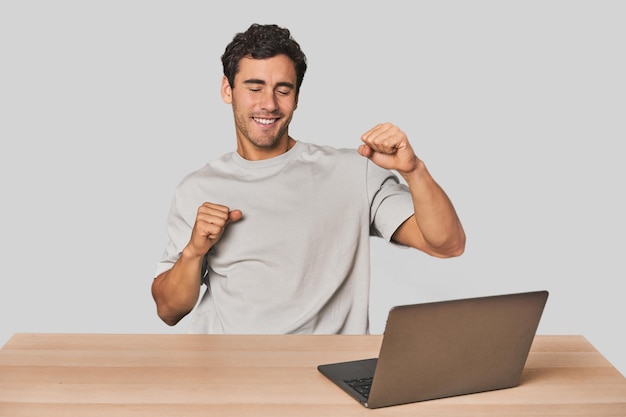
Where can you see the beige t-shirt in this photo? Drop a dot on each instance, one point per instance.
(299, 259)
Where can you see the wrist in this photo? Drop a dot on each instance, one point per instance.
(191, 254)
(417, 174)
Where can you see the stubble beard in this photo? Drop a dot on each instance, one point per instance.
(267, 140)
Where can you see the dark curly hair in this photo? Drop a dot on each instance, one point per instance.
(261, 42)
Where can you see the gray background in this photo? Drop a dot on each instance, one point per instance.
(518, 109)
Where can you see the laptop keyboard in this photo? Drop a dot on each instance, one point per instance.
(361, 385)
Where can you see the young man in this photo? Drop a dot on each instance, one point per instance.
(279, 230)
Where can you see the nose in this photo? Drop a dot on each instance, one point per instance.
(268, 101)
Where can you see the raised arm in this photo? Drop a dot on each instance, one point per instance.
(434, 227)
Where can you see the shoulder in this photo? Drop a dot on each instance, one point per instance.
(325, 152)
(344, 161)
(223, 163)
(324, 160)
(197, 180)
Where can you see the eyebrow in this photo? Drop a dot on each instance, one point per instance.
(280, 84)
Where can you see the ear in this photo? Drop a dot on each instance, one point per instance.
(227, 91)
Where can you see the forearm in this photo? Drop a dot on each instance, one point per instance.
(441, 231)
(176, 291)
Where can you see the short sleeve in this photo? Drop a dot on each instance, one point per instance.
(390, 201)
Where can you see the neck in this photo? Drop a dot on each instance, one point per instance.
(256, 153)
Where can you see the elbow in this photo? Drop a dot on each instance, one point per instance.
(171, 314)
(168, 311)
(457, 251)
(449, 252)
(168, 319)
(458, 247)
(452, 248)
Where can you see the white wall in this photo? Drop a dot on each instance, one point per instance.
(517, 108)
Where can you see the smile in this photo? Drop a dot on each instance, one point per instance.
(264, 121)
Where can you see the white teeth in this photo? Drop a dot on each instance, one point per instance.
(265, 121)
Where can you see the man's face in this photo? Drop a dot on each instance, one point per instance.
(263, 101)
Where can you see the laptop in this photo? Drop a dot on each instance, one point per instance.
(444, 349)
